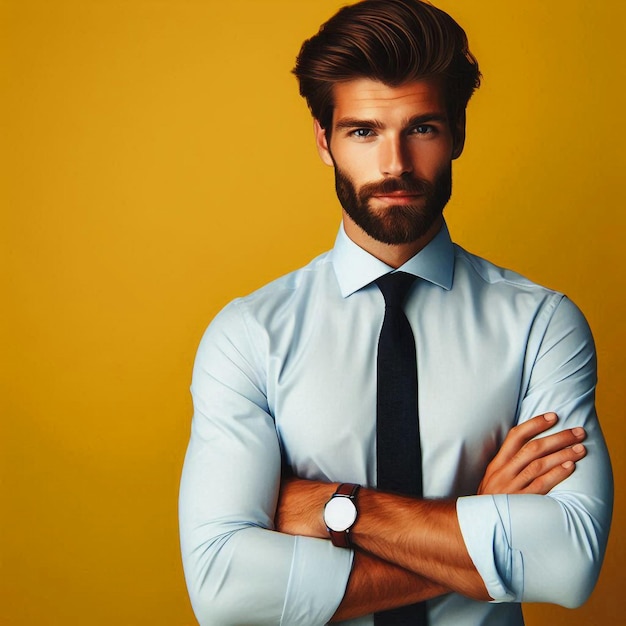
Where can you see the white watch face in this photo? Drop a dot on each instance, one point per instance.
(339, 513)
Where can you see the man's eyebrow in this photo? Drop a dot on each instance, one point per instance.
(425, 118)
(355, 122)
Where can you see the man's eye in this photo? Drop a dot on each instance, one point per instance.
(423, 129)
(362, 132)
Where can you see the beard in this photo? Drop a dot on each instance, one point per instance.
(395, 224)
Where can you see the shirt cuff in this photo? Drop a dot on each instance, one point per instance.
(314, 593)
(486, 529)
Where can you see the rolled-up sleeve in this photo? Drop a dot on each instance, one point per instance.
(238, 569)
(549, 548)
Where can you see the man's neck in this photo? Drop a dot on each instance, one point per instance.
(394, 255)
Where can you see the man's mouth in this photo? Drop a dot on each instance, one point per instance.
(398, 197)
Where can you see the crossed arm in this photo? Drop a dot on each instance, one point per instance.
(525, 547)
(410, 550)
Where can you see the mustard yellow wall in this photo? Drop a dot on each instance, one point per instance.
(157, 162)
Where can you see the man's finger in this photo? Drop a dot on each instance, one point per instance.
(546, 472)
(521, 434)
(544, 483)
(538, 477)
(534, 452)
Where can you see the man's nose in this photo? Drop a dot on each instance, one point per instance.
(395, 159)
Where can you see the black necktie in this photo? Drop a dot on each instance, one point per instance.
(398, 450)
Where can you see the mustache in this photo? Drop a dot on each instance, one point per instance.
(406, 183)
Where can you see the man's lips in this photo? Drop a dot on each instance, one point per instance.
(398, 197)
(397, 193)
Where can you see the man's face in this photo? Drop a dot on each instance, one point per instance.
(392, 149)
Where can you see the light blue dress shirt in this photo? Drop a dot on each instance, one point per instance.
(289, 373)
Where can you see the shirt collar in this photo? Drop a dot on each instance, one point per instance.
(355, 268)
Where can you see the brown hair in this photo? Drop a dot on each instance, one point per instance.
(392, 41)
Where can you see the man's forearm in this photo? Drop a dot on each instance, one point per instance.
(376, 585)
(422, 536)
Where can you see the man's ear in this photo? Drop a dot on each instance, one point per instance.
(322, 143)
(458, 136)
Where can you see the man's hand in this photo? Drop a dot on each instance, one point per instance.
(528, 465)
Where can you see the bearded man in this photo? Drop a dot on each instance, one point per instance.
(393, 433)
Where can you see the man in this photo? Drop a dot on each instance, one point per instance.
(288, 383)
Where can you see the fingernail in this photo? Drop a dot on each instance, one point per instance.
(578, 448)
(549, 417)
(579, 433)
(567, 464)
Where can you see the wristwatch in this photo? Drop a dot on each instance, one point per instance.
(340, 513)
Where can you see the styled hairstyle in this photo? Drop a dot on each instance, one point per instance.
(393, 41)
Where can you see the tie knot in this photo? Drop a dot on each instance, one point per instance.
(394, 287)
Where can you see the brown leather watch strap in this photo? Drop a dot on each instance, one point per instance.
(347, 489)
(340, 539)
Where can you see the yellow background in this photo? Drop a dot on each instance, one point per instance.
(157, 162)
